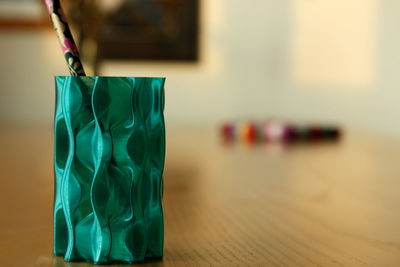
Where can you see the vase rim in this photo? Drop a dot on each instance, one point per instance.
(65, 76)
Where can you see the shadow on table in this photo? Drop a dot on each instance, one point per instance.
(59, 262)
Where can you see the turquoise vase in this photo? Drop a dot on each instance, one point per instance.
(108, 164)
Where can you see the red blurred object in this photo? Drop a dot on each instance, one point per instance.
(248, 132)
(228, 131)
(315, 133)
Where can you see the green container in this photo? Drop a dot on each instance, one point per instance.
(108, 164)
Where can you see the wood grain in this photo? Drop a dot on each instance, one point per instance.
(331, 204)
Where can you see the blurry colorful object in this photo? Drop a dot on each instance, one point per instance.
(108, 165)
(65, 38)
(277, 131)
(228, 131)
(248, 132)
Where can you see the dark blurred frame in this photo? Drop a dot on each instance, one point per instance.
(151, 30)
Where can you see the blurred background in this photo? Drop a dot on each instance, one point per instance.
(325, 61)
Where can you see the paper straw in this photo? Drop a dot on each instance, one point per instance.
(64, 35)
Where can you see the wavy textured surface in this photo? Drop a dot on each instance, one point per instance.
(109, 161)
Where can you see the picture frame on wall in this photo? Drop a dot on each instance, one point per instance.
(23, 14)
(151, 30)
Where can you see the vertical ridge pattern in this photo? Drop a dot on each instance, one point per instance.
(108, 165)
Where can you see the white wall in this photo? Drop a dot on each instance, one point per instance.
(29, 60)
(243, 61)
(245, 71)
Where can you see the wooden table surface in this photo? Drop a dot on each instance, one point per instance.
(331, 204)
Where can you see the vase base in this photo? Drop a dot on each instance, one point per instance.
(151, 259)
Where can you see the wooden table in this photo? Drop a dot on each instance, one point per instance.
(333, 204)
